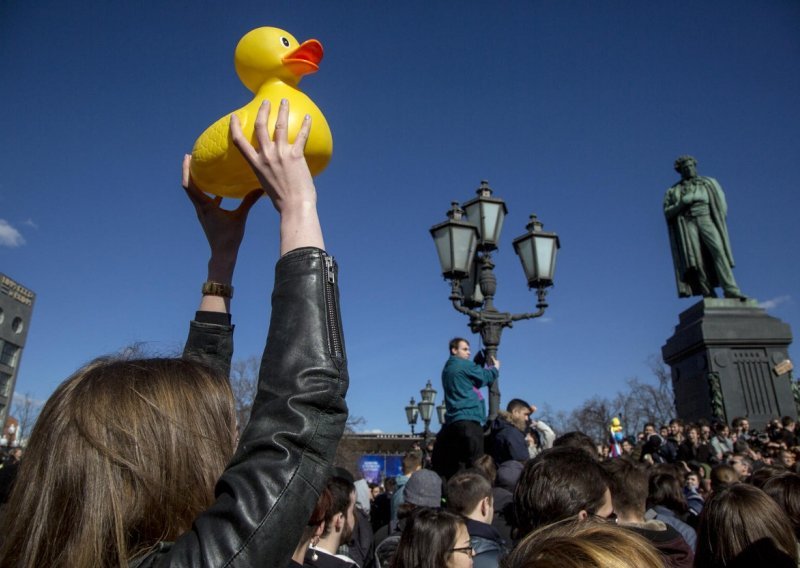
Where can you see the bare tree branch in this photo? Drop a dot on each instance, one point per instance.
(244, 383)
(26, 410)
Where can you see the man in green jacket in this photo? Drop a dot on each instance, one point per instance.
(460, 441)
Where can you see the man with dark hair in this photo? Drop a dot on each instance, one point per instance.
(577, 440)
(507, 439)
(560, 483)
(412, 463)
(339, 523)
(460, 441)
(742, 464)
(741, 428)
(629, 488)
(470, 495)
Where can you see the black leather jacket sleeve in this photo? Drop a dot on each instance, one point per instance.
(266, 494)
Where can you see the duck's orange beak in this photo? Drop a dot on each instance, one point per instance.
(305, 59)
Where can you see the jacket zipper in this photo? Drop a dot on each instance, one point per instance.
(330, 302)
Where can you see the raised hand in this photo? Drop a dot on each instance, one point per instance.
(224, 229)
(282, 170)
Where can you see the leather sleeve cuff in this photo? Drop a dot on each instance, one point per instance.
(216, 318)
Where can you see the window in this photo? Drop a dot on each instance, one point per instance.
(5, 384)
(17, 325)
(8, 356)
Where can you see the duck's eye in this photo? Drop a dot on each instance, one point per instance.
(285, 42)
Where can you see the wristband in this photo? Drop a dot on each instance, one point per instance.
(216, 289)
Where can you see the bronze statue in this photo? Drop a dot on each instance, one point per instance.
(695, 209)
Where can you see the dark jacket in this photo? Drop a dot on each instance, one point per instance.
(669, 517)
(670, 544)
(266, 494)
(487, 543)
(506, 441)
(503, 521)
(322, 559)
(694, 455)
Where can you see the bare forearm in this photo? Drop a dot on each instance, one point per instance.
(300, 228)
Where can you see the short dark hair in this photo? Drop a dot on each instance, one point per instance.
(412, 459)
(577, 440)
(628, 485)
(340, 490)
(465, 490)
(485, 466)
(515, 403)
(557, 484)
(455, 342)
(737, 422)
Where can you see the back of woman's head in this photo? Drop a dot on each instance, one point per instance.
(125, 453)
(583, 544)
(666, 490)
(738, 518)
(784, 489)
(428, 539)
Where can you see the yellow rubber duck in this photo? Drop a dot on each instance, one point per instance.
(270, 62)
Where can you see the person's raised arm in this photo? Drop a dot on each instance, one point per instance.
(211, 333)
(266, 494)
(281, 169)
(224, 231)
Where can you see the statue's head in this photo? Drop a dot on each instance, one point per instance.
(684, 160)
(686, 166)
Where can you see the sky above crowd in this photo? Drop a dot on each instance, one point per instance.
(571, 110)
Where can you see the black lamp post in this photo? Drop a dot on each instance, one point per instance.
(424, 409)
(465, 257)
(412, 413)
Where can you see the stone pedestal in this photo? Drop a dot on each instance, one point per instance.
(726, 357)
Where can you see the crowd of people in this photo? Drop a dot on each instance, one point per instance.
(672, 496)
(138, 462)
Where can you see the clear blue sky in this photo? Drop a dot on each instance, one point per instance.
(572, 110)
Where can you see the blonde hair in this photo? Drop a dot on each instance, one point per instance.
(583, 544)
(124, 454)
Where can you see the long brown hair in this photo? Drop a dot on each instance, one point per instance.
(124, 454)
(428, 539)
(737, 518)
(583, 544)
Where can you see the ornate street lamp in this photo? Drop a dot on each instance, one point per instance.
(473, 282)
(411, 414)
(441, 411)
(425, 409)
(456, 241)
(487, 214)
(426, 405)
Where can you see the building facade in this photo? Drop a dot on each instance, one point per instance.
(16, 306)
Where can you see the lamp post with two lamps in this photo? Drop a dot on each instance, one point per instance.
(465, 242)
(424, 409)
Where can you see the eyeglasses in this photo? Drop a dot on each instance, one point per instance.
(468, 550)
(611, 518)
